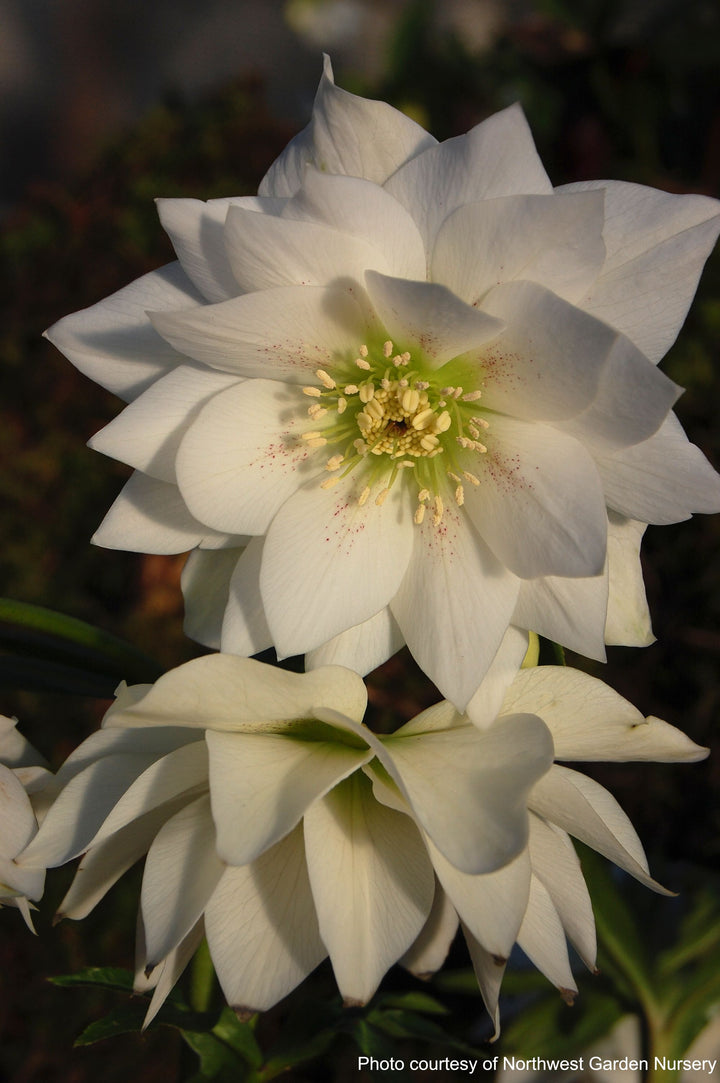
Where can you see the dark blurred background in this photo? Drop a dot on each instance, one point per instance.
(103, 107)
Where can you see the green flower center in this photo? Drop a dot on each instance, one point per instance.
(387, 414)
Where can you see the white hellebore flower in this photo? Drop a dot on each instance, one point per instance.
(251, 790)
(276, 821)
(397, 395)
(21, 776)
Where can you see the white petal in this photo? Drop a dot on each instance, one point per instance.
(557, 867)
(585, 810)
(555, 240)
(468, 787)
(104, 864)
(454, 604)
(632, 401)
(114, 343)
(16, 815)
(147, 434)
(242, 456)
(184, 771)
(548, 363)
(429, 318)
(489, 971)
(361, 208)
(82, 806)
(656, 246)
(347, 134)
(244, 627)
(539, 505)
(265, 251)
(568, 611)
(663, 480)
(266, 781)
(496, 158)
(484, 707)
(226, 693)
(18, 883)
(149, 516)
(362, 647)
(329, 563)
(372, 883)
(492, 905)
(628, 617)
(283, 333)
(261, 927)
(172, 968)
(542, 939)
(196, 230)
(205, 581)
(181, 872)
(428, 953)
(589, 721)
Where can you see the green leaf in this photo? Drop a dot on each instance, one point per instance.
(239, 1036)
(123, 1020)
(549, 1028)
(217, 1060)
(415, 1001)
(402, 1024)
(103, 977)
(279, 1062)
(52, 651)
(372, 1042)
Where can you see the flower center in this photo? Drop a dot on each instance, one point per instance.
(392, 415)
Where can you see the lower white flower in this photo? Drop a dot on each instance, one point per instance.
(21, 776)
(251, 790)
(276, 821)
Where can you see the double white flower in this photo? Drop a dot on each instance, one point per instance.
(277, 822)
(407, 393)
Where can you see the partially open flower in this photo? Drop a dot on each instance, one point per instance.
(22, 775)
(413, 380)
(279, 824)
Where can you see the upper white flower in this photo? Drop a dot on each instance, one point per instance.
(413, 382)
(251, 789)
(279, 824)
(21, 775)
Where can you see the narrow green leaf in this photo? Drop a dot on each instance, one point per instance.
(217, 1060)
(402, 1024)
(371, 1042)
(104, 977)
(44, 634)
(279, 1063)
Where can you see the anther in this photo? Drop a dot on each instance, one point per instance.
(444, 422)
(366, 391)
(341, 405)
(459, 496)
(421, 420)
(351, 389)
(424, 494)
(387, 348)
(410, 400)
(316, 410)
(325, 379)
(472, 478)
(318, 441)
(419, 514)
(472, 396)
(362, 363)
(481, 422)
(314, 392)
(335, 461)
(438, 514)
(381, 497)
(363, 350)
(457, 392)
(328, 483)
(362, 499)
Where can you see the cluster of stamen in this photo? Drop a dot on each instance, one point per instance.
(387, 409)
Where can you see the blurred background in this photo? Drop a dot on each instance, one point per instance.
(105, 106)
